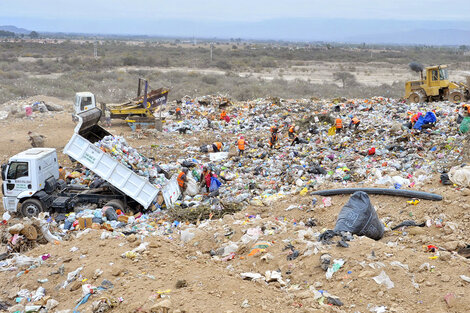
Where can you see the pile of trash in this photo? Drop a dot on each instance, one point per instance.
(384, 150)
(30, 107)
(268, 229)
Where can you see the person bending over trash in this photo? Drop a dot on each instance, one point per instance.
(217, 146)
(273, 138)
(354, 121)
(296, 139)
(206, 178)
(292, 131)
(183, 179)
(178, 113)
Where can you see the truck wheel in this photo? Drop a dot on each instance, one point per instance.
(415, 97)
(117, 205)
(456, 97)
(31, 208)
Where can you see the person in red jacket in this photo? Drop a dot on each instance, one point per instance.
(206, 178)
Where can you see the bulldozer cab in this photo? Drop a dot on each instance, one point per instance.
(437, 76)
(435, 86)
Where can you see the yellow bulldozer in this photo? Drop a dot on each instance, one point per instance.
(434, 85)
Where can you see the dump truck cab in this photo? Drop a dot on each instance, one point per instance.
(26, 176)
(84, 101)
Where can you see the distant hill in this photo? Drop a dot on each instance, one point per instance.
(418, 36)
(14, 29)
(411, 32)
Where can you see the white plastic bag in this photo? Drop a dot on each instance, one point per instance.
(460, 175)
(218, 156)
(383, 279)
(186, 235)
(192, 187)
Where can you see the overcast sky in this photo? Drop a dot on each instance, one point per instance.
(239, 10)
(150, 16)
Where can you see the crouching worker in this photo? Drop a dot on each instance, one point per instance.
(217, 146)
(354, 121)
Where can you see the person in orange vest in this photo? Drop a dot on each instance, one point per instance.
(273, 138)
(217, 146)
(182, 179)
(241, 145)
(62, 173)
(354, 121)
(291, 131)
(467, 106)
(178, 113)
(339, 125)
(223, 114)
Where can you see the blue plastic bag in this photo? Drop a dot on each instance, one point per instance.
(215, 184)
(429, 118)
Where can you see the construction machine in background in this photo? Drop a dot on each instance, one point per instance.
(142, 107)
(137, 112)
(434, 85)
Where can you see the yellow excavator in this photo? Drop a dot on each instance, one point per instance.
(141, 107)
(434, 85)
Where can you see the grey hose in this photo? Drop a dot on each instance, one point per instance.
(382, 191)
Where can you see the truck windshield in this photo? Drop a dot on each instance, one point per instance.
(443, 74)
(17, 170)
(85, 102)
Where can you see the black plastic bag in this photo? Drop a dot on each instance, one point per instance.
(358, 217)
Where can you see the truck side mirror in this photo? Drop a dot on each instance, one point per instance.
(4, 169)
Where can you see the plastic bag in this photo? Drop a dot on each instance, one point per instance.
(192, 188)
(332, 131)
(215, 184)
(24, 261)
(47, 233)
(218, 156)
(358, 216)
(186, 235)
(465, 125)
(383, 279)
(460, 175)
(110, 213)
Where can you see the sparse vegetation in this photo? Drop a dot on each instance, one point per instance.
(63, 67)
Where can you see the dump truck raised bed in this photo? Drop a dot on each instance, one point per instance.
(30, 179)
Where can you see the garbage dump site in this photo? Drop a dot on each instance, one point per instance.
(338, 205)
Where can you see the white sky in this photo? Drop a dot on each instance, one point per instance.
(238, 10)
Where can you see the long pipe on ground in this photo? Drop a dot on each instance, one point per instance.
(382, 191)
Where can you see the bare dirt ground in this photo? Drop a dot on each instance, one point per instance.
(421, 279)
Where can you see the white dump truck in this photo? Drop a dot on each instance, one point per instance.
(31, 178)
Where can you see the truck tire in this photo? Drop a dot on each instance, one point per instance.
(31, 208)
(456, 97)
(117, 205)
(416, 97)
